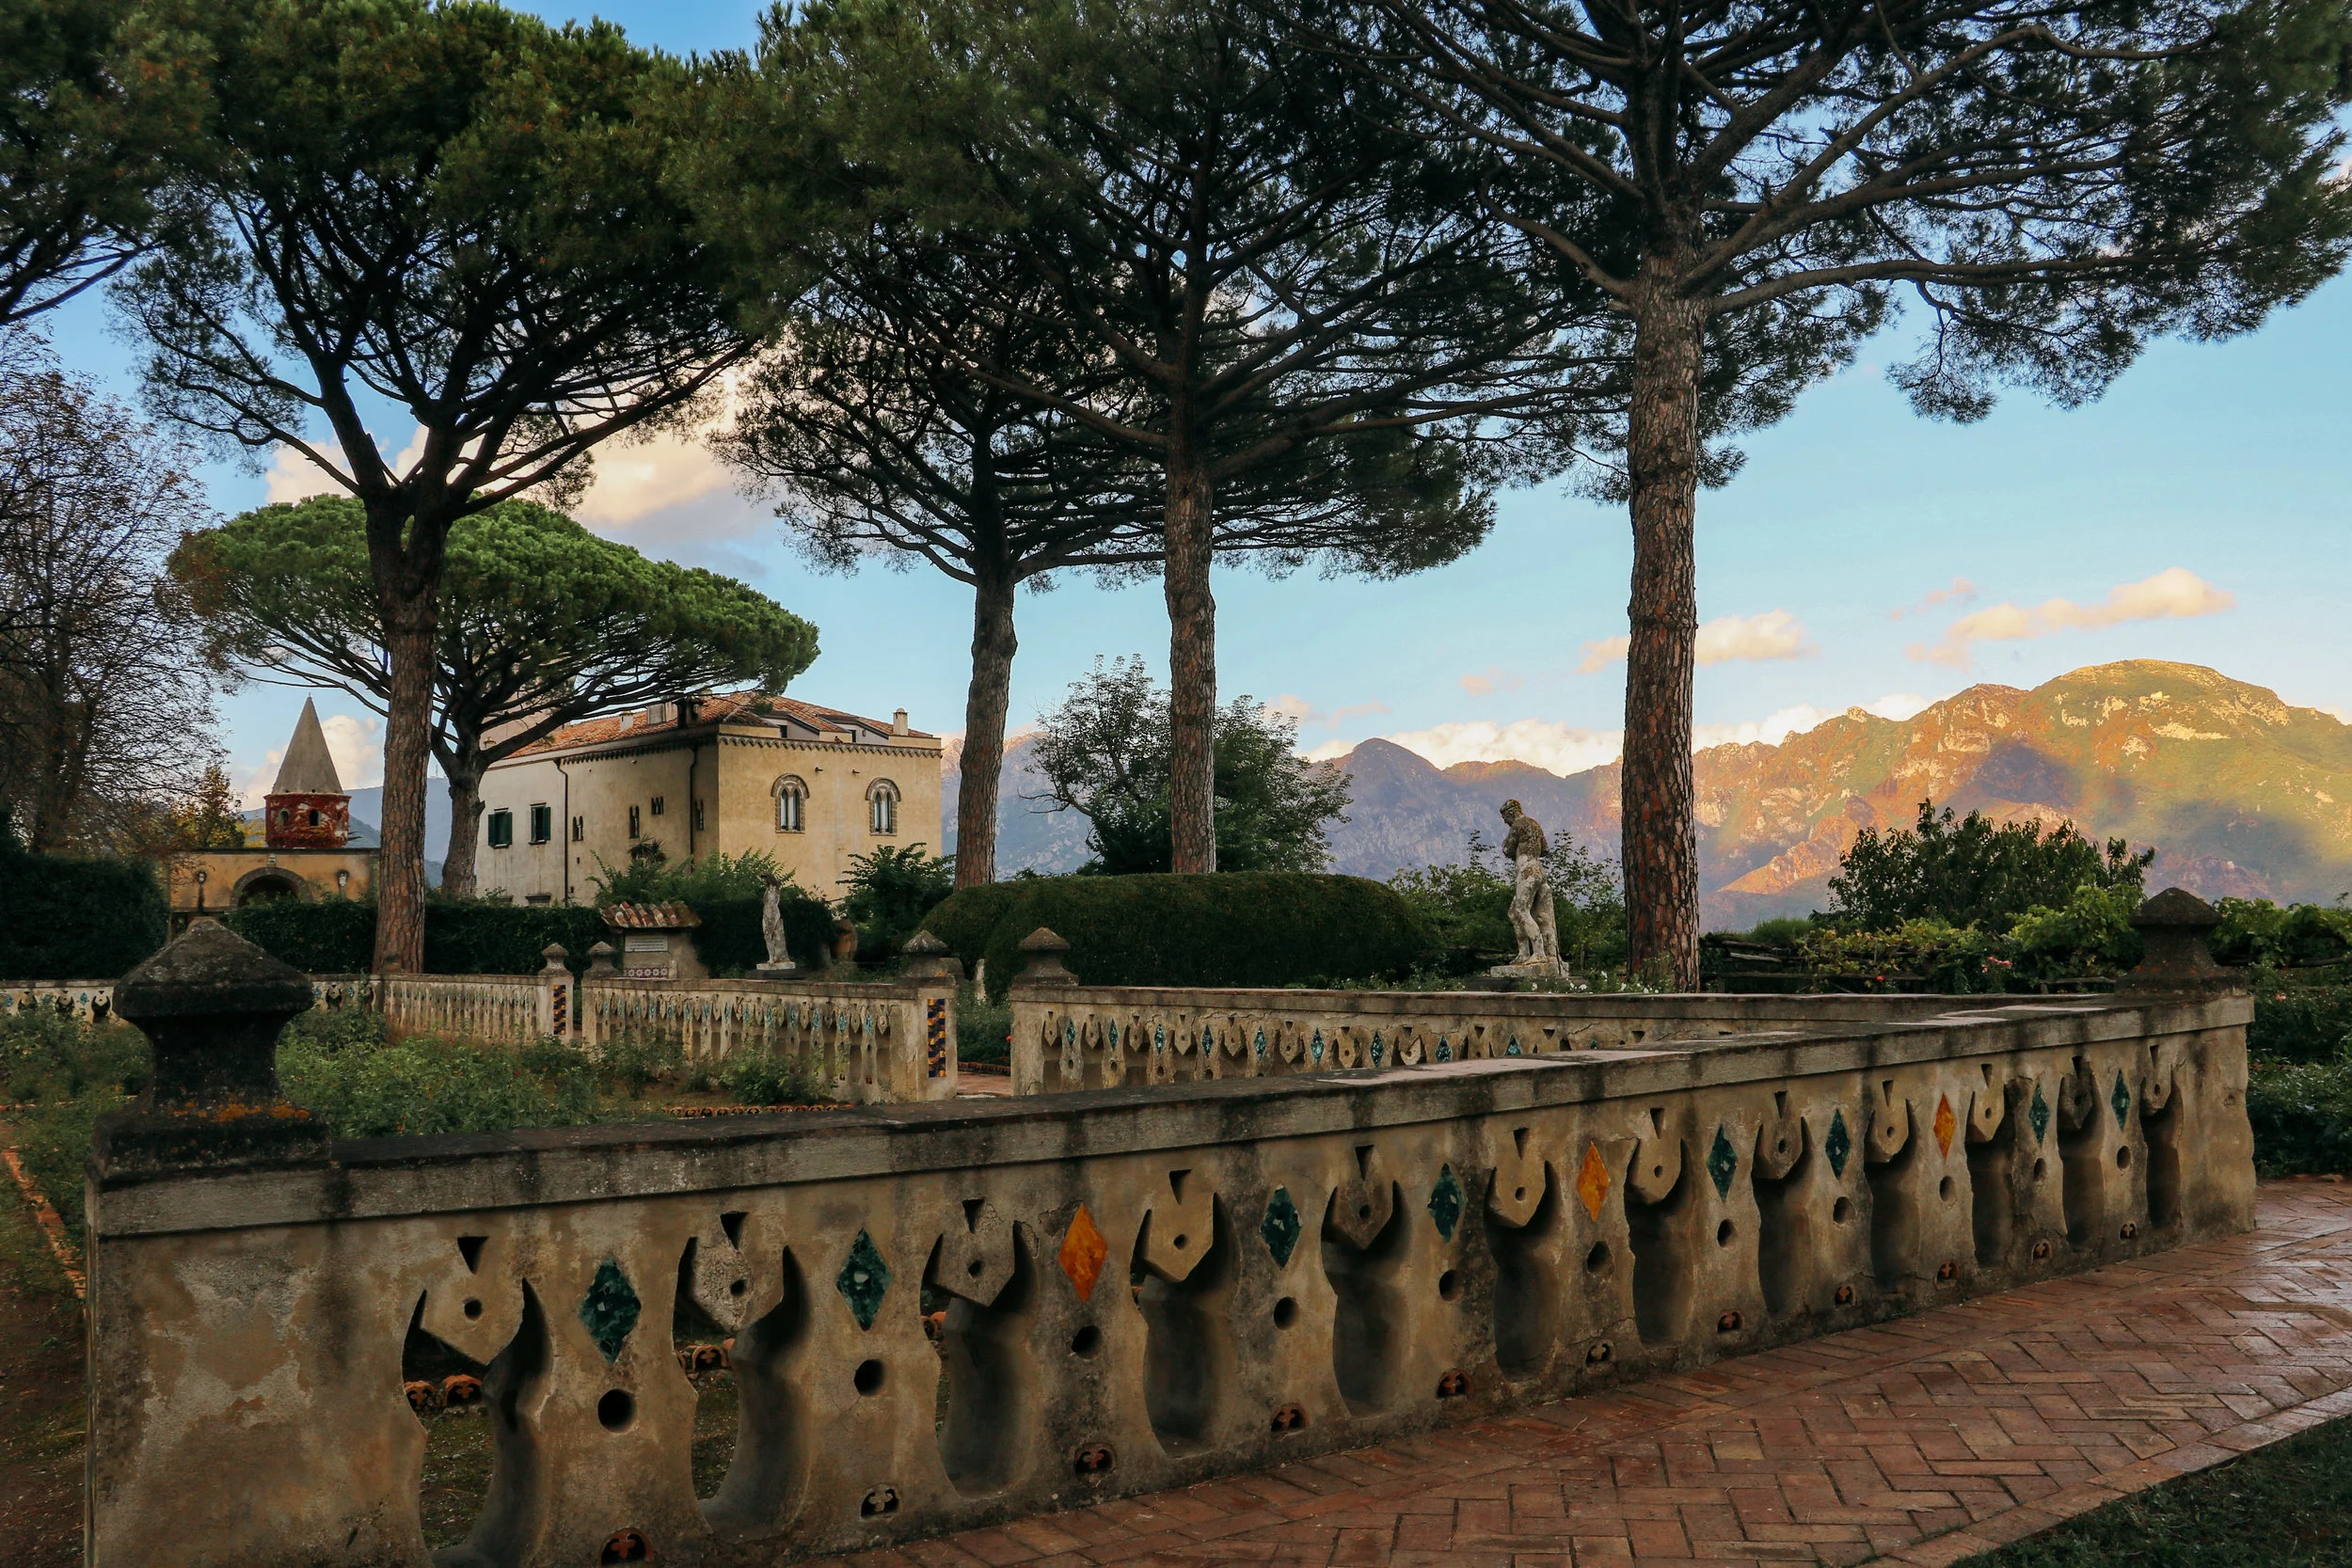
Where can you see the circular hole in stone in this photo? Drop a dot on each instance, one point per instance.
(1449, 1285)
(2040, 1169)
(1781, 1147)
(1518, 1194)
(615, 1409)
(738, 1287)
(2123, 1158)
(868, 1377)
(1285, 1312)
(1364, 1211)
(975, 1268)
(1841, 1210)
(1655, 1172)
(473, 1310)
(1086, 1341)
(1596, 1259)
(1724, 1232)
(1944, 1189)
(1182, 1241)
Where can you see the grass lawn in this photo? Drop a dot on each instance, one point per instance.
(41, 1395)
(2286, 1506)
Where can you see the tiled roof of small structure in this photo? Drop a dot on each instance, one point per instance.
(309, 769)
(718, 708)
(673, 916)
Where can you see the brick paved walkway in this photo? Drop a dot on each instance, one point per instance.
(1919, 1442)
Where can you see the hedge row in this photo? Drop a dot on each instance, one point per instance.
(1232, 928)
(63, 918)
(732, 938)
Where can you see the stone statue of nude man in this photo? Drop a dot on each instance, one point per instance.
(1531, 917)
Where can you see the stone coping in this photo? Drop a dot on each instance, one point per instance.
(387, 1178)
(1828, 1008)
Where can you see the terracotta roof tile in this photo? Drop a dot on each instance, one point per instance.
(673, 916)
(711, 711)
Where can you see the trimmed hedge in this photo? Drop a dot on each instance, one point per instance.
(731, 940)
(1231, 928)
(64, 918)
(337, 936)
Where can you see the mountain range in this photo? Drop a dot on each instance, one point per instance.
(2240, 794)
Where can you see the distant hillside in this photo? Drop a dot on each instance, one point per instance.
(2242, 795)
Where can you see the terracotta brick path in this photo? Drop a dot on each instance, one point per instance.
(1920, 1441)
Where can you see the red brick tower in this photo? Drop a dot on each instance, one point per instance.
(307, 808)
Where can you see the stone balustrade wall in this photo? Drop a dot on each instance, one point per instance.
(1128, 1290)
(1067, 1036)
(890, 1041)
(93, 1000)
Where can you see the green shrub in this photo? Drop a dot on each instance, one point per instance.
(53, 1139)
(70, 918)
(1786, 931)
(1972, 871)
(635, 1062)
(890, 890)
(46, 1054)
(1919, 955)
(2257, 931)
(2298, 1023)
(983, 1028)
(1467, 907)
(1232, 929)
(431, 1083)
(333, 1029)
(766, 1078)
(334, 936)
(337, 936)
(2302, 1114)
(731, 940)
(2090, 934)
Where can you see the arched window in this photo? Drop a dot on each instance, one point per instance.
(791, 804)
(883, 798)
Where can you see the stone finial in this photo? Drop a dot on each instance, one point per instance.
(929, 959)
(556, 955)
(600, 962)
(1045, 966)
(2177, 927)
(213, 1004)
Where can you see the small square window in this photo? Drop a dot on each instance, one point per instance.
(502, 829)
(635, 827)
(542, 824)
(579, 829)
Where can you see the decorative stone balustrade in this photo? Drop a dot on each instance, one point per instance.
(1135, 1290)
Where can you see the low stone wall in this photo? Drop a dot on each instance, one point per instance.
(885, 1041)
(1142, 1287)
(93, 1000)
(1074, 1037)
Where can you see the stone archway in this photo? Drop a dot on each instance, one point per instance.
(265, 884)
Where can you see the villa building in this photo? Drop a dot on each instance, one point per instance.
(809, 785)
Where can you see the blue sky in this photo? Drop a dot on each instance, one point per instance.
(2213, 476)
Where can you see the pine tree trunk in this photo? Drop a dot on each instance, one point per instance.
(1661, 852)
(465, 820)
(1191, 665)
(411, 612)
(984, 706)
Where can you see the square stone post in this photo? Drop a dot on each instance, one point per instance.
(555, 992)
(925, 1066)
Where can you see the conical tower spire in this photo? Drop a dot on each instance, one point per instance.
(309, 769)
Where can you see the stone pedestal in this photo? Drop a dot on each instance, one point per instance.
(785, 971)
(1532, 969)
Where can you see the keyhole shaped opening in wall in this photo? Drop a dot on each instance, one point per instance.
(1992, 1187)
(1789, 1243)
(444, 1388)
(1369, 1333)
(1894, 1219)
(2083, 1174)
(508, 1527)
(989, 1431)
(2162, 1129)
(765, 1480)
(1663, 1265)
(700, 1341)
(1530, 1291)
(1188, 1338)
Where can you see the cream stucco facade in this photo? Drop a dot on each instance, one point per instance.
(732, 773)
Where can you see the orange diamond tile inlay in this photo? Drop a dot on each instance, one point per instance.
(1591, 1183)
(1944, 1122)
(1082, 1253)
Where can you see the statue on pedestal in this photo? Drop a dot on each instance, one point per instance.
(1533, 920)
(771, 927)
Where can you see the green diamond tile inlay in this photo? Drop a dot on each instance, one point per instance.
(863, 1279)
(2039, 1115)
(1445, 1048)
(1378, 1050)
(609, 1310)
(1840, 1143)
(1314, 1047)
(1280, 1226)
(1445, 1201)
(2123, 1101)
(1722, 1160)
(1259, 1045)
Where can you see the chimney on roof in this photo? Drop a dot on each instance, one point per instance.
(898, 721)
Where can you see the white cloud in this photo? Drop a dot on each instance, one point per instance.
(1775, 634)
(1492, 679)
(1960, 591)
(355, 742)
(1556, 747)
(2175, 594)
(293, 477)
(632, 482)
(1306, 714)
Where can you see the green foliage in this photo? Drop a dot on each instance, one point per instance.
(2090, 934)
(54, 1141)
(732, 939)
(1467, 907)
(651, 879)
(73, 918)
(1228, 928)
(1919, 955)
(727, 893)
(1973, 872)
(2302, 1114)
(2297, 1022)
(2257, 931)
(1787, 932)
(766, 1078)
(635, 1062)
(335, 936)
(49, 1054)
(890, 890)
(432, 1084)
(983, 1027)
(1104, 753)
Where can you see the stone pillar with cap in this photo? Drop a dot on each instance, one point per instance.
(2177, 927)
(555, 992)
(1036, 1013)
(213, 1005)
(935, 973)
(1044, 965)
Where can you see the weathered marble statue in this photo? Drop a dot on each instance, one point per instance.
(771, 928)
(1531, 917)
